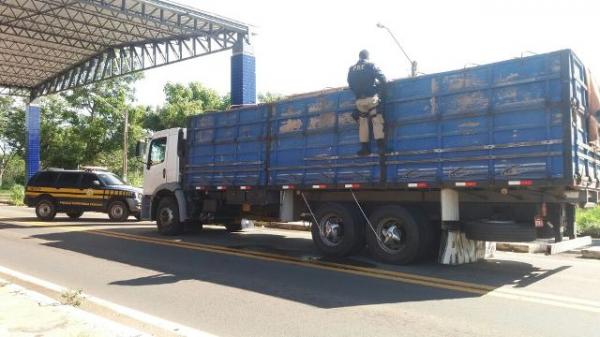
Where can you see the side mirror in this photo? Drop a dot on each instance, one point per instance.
(140, 149)
(96, 183)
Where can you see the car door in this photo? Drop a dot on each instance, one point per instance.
(91, 187)
(67, 191)
(156, 165)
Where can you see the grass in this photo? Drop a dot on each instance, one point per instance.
(588, 221)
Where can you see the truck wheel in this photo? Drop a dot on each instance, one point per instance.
(74, 215)
(337, 232)
(167, 217)
(396, 236)
(117, 211)
(45, 209)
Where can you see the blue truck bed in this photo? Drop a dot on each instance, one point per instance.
(523, 120)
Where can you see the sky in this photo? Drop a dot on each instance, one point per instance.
(308, 45)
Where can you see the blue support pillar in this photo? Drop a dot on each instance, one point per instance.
(243, 74)
(32, 163)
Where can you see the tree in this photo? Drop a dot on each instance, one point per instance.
(81, 124)
(183, 101)
(270, 97)
(12, 135)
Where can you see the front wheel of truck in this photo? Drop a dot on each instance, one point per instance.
(167, 217)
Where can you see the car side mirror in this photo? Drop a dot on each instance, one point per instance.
(96, 183)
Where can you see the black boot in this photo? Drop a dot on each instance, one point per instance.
(381, 146)
(364, 149)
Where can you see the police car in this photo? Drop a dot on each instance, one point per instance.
(77, 191)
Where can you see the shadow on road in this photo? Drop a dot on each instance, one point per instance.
(304, 284)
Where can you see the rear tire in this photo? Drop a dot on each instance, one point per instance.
(340, 235)
(74, 215)
(117, 211)
(45, 209)
(167, 217)
(400, 238)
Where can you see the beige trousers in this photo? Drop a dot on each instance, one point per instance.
(368, 105)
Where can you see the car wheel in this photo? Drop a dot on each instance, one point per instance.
(75, 214)
(167, 217)
(45, 210)
(117, 211)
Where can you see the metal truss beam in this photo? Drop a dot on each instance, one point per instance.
(54, 45)
(126, 59)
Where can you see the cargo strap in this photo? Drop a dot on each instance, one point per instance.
(366, 217)
(312, 214)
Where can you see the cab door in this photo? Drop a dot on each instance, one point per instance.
(155, 171)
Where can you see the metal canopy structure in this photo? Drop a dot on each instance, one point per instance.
(47, 46)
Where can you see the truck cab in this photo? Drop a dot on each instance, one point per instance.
(163, 160)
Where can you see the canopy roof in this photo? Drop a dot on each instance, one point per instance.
(51, 45)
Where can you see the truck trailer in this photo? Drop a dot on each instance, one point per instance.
(497, 152)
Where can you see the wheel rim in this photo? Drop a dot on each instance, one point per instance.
(117, 211)
(332, 230)
(166, 216)
(45, 209)
(392, 235)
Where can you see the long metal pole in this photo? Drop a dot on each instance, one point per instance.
(413, 64)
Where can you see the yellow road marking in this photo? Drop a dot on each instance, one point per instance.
(427, 281)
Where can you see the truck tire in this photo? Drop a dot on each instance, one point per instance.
(167, 217)
(340, 235)
(118, 211)
(396, 236)
(499, 231)
(74, 215)
(45, 209)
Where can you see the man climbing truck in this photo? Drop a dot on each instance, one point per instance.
(497, 152)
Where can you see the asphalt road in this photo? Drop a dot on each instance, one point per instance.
(264, 282)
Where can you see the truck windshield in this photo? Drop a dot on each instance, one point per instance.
(110, 179)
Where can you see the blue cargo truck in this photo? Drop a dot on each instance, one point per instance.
(499, 152)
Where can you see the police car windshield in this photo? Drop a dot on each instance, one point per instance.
(110, 179)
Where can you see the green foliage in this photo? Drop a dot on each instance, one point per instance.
(588, 221)
(17, 193)
(270, 97)
(85, 126)
(184, 101)
(14, 172)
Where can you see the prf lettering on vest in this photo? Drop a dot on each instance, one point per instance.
(358, 67)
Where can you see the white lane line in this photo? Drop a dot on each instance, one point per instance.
(137, 315)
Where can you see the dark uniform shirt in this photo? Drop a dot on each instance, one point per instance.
(365, 79)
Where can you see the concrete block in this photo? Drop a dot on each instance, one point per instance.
(591, 253)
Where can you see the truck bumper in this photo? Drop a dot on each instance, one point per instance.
(134, 205)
